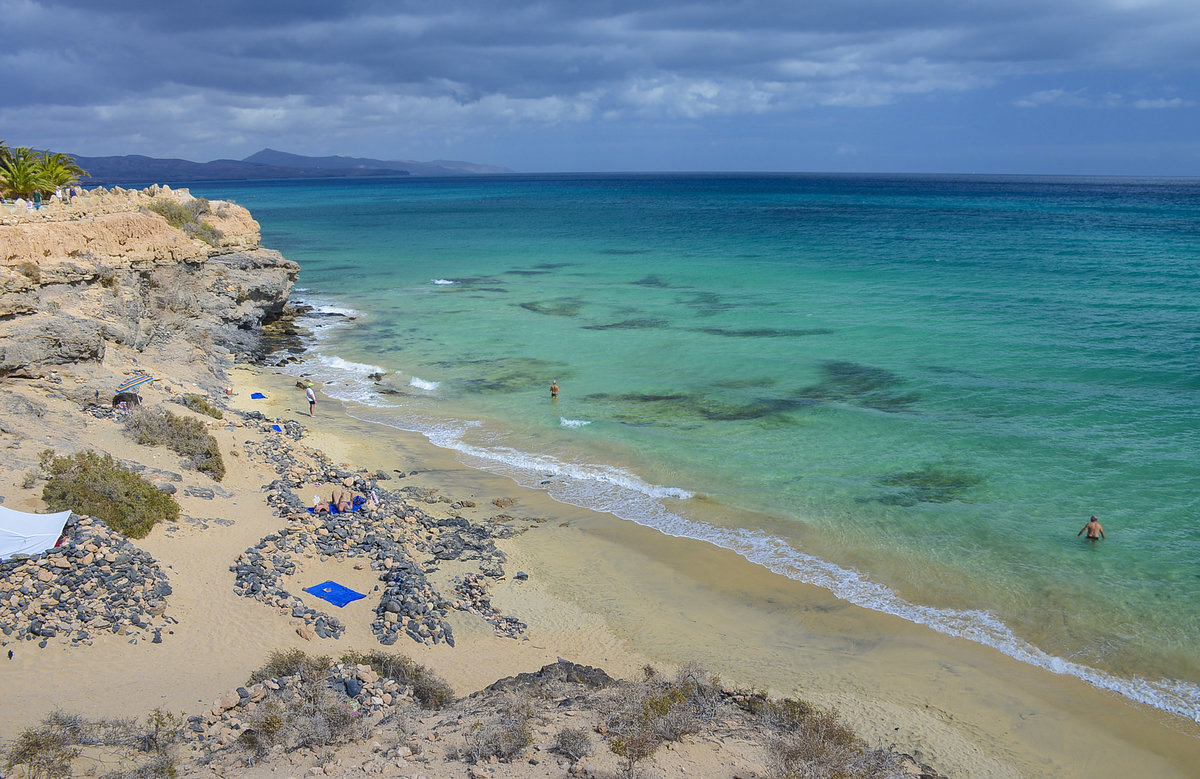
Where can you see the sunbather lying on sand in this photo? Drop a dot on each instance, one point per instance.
(342, 500)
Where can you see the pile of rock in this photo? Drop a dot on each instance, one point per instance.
(96, 582)
(473, 591)
(411, 605)
(361, 688)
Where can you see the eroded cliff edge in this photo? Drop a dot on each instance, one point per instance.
(106, 268)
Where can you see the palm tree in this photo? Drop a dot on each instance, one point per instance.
(5, 154)
(59, 170)
(21, 173)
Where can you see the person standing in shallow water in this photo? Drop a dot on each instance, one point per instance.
(312, 399)
(554, 390)
(1095, 531)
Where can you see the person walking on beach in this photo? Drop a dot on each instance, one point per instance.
(1095, 531)
(554, 390)
(312, 399)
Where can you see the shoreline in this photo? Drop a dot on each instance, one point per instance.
(600, 591)
(965, 707)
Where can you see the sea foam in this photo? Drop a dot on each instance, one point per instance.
(573, 422)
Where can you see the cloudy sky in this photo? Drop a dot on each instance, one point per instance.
(1000, 86)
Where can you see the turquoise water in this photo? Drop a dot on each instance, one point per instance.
(912, 391)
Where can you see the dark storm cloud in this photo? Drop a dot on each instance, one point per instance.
(258, 68)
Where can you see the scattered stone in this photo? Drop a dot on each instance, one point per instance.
(96, 581)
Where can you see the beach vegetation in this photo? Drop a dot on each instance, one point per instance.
(187, 216)
(504, 736)
(430, 690)
(315, 716)
(291, 662)
(97, 485)
(51, 748)
(186, 436)
(200, 405)
(42, 751)
(573, 743)
(643, 715)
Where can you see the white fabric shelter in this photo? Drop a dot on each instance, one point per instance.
(22, 533)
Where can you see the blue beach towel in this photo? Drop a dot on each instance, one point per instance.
(277, 428)
(258, 396)
(335, 593)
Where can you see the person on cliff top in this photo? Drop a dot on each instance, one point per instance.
(1095, 531)
(312, 399)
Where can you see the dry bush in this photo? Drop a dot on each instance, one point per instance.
(44, 753)
(291, 662)
(813, 743)
(430, 690)
(50, 749)
(504, 737)
(573, 743)
(315, 717)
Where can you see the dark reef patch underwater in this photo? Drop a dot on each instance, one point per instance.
(861, 385)
(931, 484)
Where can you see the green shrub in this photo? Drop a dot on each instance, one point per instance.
(176, 213)
(97, 485)
(430, 690)
(186, 436)
(186, 216)
(201, 405)
(205, 232)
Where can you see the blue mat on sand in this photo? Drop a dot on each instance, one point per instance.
(334, 593)
(258, 396)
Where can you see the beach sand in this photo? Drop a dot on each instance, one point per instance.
(600, 591)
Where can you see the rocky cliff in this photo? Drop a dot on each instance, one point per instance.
(151, 269)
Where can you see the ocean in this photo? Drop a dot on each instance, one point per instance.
(910, 390)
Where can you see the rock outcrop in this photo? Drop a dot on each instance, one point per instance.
(108, 268)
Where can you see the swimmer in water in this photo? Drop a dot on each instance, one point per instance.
(1095, 531)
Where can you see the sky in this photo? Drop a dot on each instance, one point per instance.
(1090, 87)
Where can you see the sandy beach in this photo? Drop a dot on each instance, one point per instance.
(599, 591)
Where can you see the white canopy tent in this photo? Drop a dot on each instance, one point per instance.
(22, 533)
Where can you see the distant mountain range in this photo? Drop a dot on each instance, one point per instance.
(266, 164)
